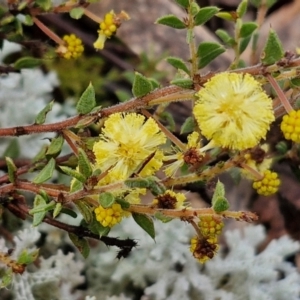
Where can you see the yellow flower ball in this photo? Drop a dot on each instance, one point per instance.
(268, 185)
(233, 111)
(126, 142)
(290, 126)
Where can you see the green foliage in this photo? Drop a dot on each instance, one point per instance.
(81, 244)
(87, 100)
(27, 62)
(207, 52)
(106, 199)
(273, 50)
(41, 116)
(46, 173)
(141, 85)
(205, 14)
(171, 21)
(178, 63)
(11, 167)
(145, 222)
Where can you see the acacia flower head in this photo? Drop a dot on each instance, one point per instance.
(127, 140)
(190, 156)
(170, 200)
(204, 249)
(108, 27)
(233, 111)
(290, 126)
(268, 185)
(73, 47)
(108, 217)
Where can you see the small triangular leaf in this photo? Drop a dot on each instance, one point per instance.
(207, 52)
(27, 63)
(81, 244)
(188, 125)
(185, 83)
(87, 100)
(273, 50)
(84, 164)
(106, 199)
(46, 173)
(145, 222)
(76, 13)
(71, 172)
(55, 146)
(171, 21)
(247, 29)
(11, 167)
(183, 3)
(41, 117)
(205, 14)
(141, 85)
(178, 63)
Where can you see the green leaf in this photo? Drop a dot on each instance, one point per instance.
(219, 202)
(76, 185)
(247, 29)
(44, 4)
(46, 173)
(11, 167)
(87, 100)
(76, 13)
(28, 21)
(27, 62)
(71, 172)
(137, 183)
(83, 123)
(270, 3)
(295, 82)
(57, 210)
(228, 16)
(39, 216)
(243, 44)
(81, 244)
(6, 278)
(225, 37)
(85, 210)
(6, 20)
(205, 14)
(160, 216)
(141, 85)
(208, 51)
(185, 83)
(84, 164)
(178, 63)
(154, 83)
(188, 125)
(26, 257)
(156, 188)
(171, 21)
(145, 222)
(242, 8)
(124, 204)
(194, 8)
(55, 146)
(69, 212)
(183, 3)
(273, 50)
(106, 199)
(168, 117)
(97, 228)
(13, 149)
(41, 117)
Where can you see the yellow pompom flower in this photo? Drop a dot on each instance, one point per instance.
(290, 126)
(210, 225)
(170, 200)
(73, 47)
(108, 217)
(268, 185)
(233, 111)
(127, 140)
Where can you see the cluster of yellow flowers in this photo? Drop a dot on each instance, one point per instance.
(73, 47)
(290, 126)
(204, 247)
(268, 185)
(108, 217)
